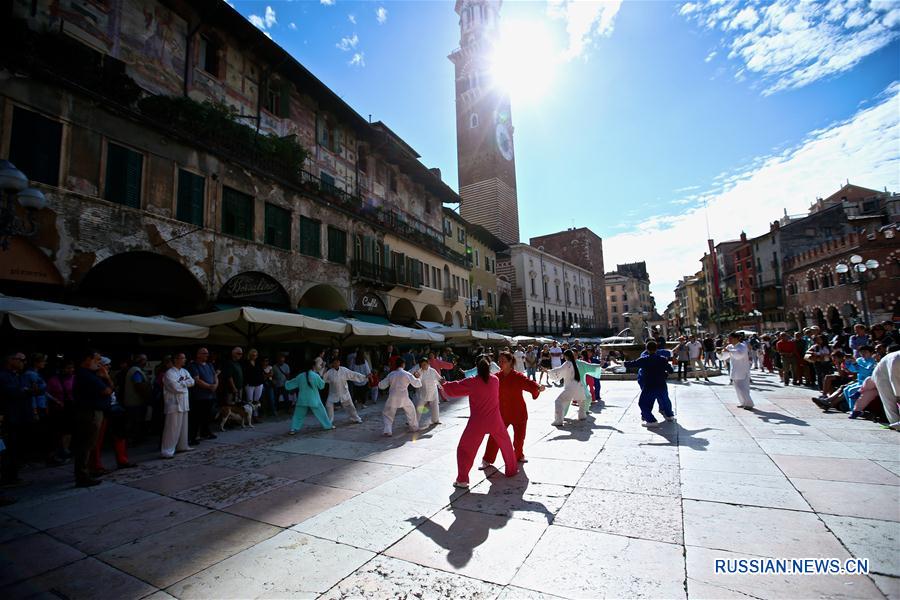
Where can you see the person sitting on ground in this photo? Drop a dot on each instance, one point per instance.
(846, 395)
(886, 377)
(839, 377)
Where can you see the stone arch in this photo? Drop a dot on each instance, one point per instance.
(143, 283)
(430, 312)
(835, 321)
(850, 312)
(458, 319)
(818, 317)
(403, 312)
(504, 307)
(448, 319)
(323, 296)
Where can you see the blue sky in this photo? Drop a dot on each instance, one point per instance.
(640, 119)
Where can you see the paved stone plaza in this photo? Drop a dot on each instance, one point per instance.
(603, 508)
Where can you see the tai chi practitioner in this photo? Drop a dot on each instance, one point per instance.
(594, 370)
(512, 407)
(653, 369)
(176, 383)
(738, 354)
(429, 392)
(568, 374)
(484, 419)
(307, 384)
(397, 383)
(337, 377)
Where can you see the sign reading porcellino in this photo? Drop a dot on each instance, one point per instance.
(792, 566)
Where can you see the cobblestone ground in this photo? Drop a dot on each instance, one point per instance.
(603, 508)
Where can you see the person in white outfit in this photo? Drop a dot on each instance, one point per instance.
(568, 374)
(738, 354)
(519, 355)
(397, 383)
(337, 377)
(887, 381)
(176, 383)
(428, 393)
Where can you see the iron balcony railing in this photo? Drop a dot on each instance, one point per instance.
(382, 275)
(451, 295)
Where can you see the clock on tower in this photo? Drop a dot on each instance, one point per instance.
(484, 130)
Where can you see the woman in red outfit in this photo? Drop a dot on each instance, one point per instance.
(484, 419)
(512, 407)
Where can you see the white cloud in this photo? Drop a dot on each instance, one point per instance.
(266, 21)
(790, 44)
(710, 56)
(352, 18)
(358, 60)
(381, 15)
(348, 43)
(326, 2)
(585, 21)
(862, 149)
(292, 26)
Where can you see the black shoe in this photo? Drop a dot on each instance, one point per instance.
(193, 442)
(17, 482)
(88, 483)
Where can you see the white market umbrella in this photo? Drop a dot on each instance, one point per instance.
(364, 332)
(38, 315)
(249, 325)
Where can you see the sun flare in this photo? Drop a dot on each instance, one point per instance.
(525, 60)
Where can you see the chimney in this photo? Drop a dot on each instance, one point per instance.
(436, 171)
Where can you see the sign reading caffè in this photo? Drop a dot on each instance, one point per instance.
(371, 303)
(253, 288)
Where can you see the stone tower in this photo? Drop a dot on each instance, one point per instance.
(484, 130)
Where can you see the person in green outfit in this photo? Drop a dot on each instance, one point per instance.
(308, 383)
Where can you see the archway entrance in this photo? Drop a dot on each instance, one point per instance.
(324, 297)
(504, 308)
(819, 319)
(834, 318)
(403, 312)
(142, 283)
(431, 313)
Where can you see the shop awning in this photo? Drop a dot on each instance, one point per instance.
(463, 335)
(247, 325)
(429, 324)
(363, 332)
(37, 315)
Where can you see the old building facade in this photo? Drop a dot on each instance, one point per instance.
(548, 295)
(582, 247)
(190, 162)
(628, 293)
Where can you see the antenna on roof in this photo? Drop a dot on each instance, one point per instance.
(370, 117)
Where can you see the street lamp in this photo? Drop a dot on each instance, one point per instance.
(473, 306)
(860, 267)
(14, 186)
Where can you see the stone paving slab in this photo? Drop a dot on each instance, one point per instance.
(289, 564)
(603, 508)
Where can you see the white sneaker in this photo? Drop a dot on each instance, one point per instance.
(484, 465)
(650, 423)
(461, 485)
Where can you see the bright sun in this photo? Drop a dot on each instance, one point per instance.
(525, 60)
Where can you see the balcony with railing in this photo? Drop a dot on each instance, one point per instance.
(383, 276)
(451, 295)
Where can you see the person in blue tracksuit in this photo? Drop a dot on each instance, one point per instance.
(653, 368)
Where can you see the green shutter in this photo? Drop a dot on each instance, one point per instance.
(35, 144)
(368, 249)
(387, 256)
(124, 168)
(278, 227)
(190, 200)
(237, 213)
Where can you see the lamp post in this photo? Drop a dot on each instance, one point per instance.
(860, 267)
(14, 186)
(473, 307)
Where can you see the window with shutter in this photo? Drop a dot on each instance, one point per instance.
(310, 237)
(237, 213)
(337, 245)
(285, 102)
(190, 198)
(123, 175)
(34, 145)
(278, 226)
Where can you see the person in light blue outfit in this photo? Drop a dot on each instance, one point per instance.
(307, 383)
(863, 367)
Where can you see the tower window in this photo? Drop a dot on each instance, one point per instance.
(473, 121)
